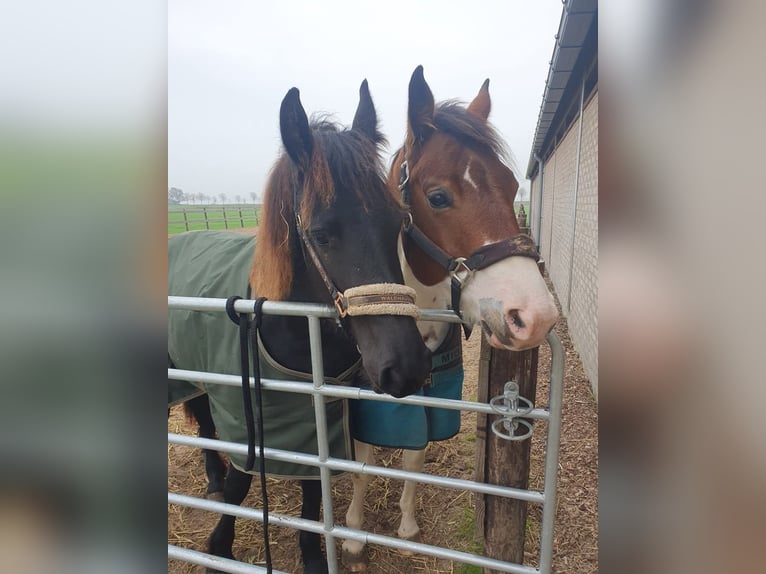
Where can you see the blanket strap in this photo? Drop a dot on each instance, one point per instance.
(244, 347)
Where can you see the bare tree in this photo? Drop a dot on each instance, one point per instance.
(176, 196)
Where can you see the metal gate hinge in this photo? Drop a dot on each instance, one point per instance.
(507, 405)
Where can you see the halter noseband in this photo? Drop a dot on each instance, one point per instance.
(369, 299)
(461, 269)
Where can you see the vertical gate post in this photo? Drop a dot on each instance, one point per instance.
(186, 221)
(501, 522)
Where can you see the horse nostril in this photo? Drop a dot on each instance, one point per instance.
(515, 319)
(387, 380)
(397, 384)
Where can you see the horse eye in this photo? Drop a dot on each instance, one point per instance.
(439, 199)
(320, 237)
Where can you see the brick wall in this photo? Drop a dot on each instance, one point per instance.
(546, 227)
(563, 228)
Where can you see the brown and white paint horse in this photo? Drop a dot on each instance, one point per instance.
(461, 195)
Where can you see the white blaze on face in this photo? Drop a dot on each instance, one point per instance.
(467, 175)
(512, 301)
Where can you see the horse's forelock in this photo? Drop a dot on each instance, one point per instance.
(451, 117)
(352, 161)
(318, 186)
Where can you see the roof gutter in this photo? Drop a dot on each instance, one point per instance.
(539, 214)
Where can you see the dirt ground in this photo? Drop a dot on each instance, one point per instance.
(445, 515)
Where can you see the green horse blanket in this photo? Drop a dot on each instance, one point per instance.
(217, 264)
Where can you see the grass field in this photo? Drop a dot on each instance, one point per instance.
(196, 214)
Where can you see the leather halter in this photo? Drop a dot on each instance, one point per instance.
(337, 295)
(374, 299)
(461, 269)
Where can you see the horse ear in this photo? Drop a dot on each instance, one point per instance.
(366, 119)
(420, 111)
(295, 130)
(481, 104)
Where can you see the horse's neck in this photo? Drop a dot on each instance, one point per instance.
(287, 339)
(437, 296)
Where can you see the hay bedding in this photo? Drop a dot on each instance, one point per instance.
(444, 515)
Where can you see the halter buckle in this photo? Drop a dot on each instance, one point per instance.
(341, 304)
(460, 272)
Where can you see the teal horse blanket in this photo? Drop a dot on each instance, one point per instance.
(394, 425)
(217, 264)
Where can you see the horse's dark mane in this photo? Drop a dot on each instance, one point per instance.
(351, 157)
(341, 158)
(451, 117)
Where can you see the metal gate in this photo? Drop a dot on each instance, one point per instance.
(320, 390)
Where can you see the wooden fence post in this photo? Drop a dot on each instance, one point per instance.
(204, 212)
(501, 522)
(241, 221)
(225, 221)
(186, 221)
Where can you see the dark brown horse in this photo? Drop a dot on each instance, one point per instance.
(329, 225)
(462, 251)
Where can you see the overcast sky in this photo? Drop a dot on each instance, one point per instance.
(230, 63)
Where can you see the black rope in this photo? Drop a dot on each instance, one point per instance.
(244, 348)
(257, 316)
(244, 361)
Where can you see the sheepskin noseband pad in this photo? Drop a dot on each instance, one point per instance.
(381, 299)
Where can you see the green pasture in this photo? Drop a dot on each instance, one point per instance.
(195, 216)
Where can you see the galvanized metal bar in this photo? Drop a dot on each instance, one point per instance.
(323, 448)
(438, 552)
(246, 306)
(294, 522)
(215, 562)
(556, 395)
(286, 308)
(326, 463)
(345, 393)
(359, 468)
(349, 533)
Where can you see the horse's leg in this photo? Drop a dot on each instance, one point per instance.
(354, 554)
(311, 548)
(199, 407)
(235, 490)
(412, 460)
